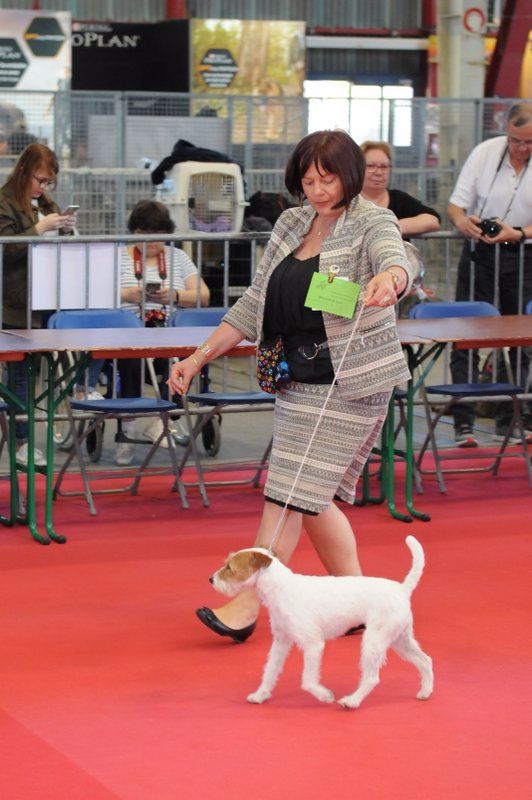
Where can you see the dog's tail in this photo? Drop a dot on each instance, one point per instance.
(418, 563)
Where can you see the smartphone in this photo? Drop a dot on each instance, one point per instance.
(69, 211)
(152, 287)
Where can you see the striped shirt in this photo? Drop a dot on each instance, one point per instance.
(178, 272)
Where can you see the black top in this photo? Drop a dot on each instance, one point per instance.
(285, 314)
(404, 205)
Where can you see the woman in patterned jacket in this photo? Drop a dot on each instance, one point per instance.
(335, 233)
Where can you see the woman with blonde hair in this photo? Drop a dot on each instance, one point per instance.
(414, 217)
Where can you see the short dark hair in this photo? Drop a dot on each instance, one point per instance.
(520, 114)
(149, 216)
(337, 153)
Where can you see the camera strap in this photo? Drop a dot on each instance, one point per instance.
(138, 264)
(516, 188)
(155, 315)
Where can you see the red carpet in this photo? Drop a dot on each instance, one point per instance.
(110, 687)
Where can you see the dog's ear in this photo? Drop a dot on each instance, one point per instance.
(260, 560)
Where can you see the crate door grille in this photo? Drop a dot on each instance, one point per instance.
(211, 202)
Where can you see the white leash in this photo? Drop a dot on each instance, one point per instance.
(278, 527)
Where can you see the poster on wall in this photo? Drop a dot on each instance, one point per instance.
(34, 50)
(261, 58)
(124, 56)
(34, 57)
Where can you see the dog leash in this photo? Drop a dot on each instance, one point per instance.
(278, 527)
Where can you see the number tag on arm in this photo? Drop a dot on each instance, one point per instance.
(335, 297)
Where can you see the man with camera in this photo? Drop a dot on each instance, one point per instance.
(492, 204)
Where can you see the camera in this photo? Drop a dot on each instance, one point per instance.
(155, 318)
(489, 227)
(282, 375)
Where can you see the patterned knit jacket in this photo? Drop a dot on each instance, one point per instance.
(364, 242)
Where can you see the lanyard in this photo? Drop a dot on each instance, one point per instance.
(137, 264)
(516, 188)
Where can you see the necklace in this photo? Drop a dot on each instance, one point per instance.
(319, 233)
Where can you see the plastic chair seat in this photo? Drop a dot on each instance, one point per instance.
(125, 405)
(475, 389)
(229, 398)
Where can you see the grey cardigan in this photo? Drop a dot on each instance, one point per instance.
(364, 242)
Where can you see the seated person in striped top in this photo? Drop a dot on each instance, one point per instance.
(172, 281)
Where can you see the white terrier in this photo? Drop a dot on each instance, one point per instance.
(307, 610)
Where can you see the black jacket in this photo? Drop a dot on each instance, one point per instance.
(14, 221)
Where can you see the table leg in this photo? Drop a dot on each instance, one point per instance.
(50, 414)
(388, 462)
(31, 509)
(409, 455)
(14, 493)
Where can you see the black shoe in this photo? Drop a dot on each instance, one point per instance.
(209, 618)
(355, 630)
(464, 436)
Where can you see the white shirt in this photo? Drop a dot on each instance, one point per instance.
(181, 269)
(483, 191)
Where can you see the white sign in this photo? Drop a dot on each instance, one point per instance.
(75, 276)
(35, 49)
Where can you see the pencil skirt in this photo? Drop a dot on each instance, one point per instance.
(345, 432)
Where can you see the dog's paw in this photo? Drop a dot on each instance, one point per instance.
(424, 694)
(349, 701)
(321, 693)
(260, 696)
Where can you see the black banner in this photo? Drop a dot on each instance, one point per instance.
(121, 56)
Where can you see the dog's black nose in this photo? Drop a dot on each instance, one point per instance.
(211, 579)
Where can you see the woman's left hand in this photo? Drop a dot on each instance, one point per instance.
(380, 291)
(161, 296)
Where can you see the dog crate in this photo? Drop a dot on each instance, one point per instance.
(206, 197)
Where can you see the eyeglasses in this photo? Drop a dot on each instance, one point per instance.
(44, 183)
(377, 167)
(519, 142)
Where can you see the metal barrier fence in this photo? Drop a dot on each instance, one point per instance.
(227, 263)
(103, 139)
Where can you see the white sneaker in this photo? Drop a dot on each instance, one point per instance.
(154, 430)
(79, 394)
(124, 454)
(38, 456)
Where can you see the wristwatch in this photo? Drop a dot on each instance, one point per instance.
(523, 234)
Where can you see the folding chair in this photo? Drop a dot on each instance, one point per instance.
(528, 382)
(455, 392)
(113, 408)
(217, 403)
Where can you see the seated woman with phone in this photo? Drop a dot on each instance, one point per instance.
(172, 281)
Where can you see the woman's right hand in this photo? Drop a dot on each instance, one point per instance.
(182, 373)
(131, 294)
(51, 222)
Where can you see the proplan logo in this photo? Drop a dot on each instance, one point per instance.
(98, 35)
(44, 36)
